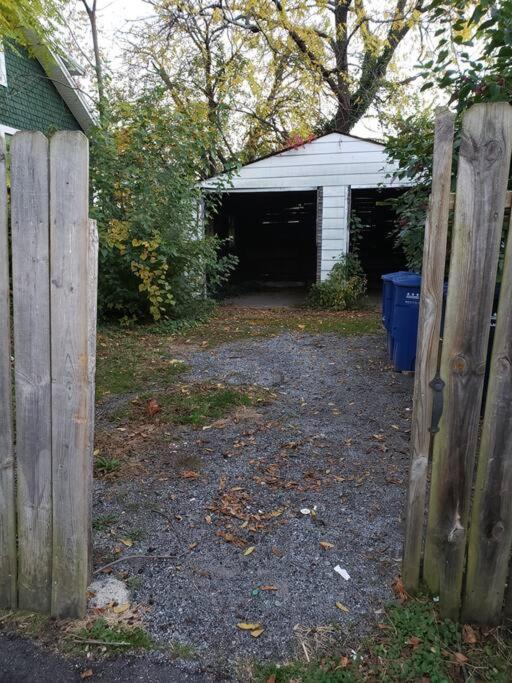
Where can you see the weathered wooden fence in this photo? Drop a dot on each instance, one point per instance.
(46, 459)
(462, 549)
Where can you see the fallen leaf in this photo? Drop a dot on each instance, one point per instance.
(343, 662)
(268, 588)
(460, 658)
(249, 550)
(86, 674)
(342, 607)
(469, 634)
(399, 590)
(119, 609)
(414, 641)
(247, 626)
(153, 407)
(271, 679)
(189, 474)
(127, 542)
(257, 632)
(326, 545)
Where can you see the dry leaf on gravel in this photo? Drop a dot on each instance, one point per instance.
(342, 607)
(119, 609)
(249, 550)
(268, 588)
(189, 474)
(86, 674)
(247, 626)
(153, 407)
(257, 632)
(325, 545)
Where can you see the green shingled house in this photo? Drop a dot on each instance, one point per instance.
(37, 92)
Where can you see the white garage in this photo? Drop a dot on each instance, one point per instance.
(286, 216)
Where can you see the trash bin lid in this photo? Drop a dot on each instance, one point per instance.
(390, 276)
(409, 280)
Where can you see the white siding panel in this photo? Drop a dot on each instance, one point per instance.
(334, 226)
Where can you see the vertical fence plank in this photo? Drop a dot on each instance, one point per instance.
(490, 539)
(481, 185)
(92, 311)
(29, 221)
(7, 499)
(69, 248)
(431, 305)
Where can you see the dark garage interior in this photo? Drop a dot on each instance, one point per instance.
(376, 240)
(273, 235)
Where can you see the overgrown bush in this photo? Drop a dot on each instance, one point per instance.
(154, 261)
(344, 287)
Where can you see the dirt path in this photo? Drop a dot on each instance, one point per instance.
(333, 441)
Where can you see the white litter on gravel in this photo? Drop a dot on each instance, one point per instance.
(342, 572)
(106, 591)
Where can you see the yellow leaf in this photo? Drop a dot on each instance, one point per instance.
(127, 542)
(119, 609)
(257, 632)
(342, 607)
(249, 550)
(244, 626)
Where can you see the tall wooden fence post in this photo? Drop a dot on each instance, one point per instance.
(8, 590)
(31, 300)
(70, 295)
(481, 187)
(490, 538)
(431, 306)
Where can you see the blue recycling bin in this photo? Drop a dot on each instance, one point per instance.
(387, 296)
(404, 332)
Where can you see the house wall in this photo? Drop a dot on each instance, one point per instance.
(335, 163)
(30, 101)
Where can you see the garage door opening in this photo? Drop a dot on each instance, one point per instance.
(273, 235)
(376, 245)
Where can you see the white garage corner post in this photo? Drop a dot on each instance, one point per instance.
(335, 230)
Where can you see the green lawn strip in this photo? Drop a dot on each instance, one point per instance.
(189, 404)
(413, 644)
(109, 639)
(132, 359)
(235, 324)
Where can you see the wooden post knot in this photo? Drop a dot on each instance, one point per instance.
(493, 150)
(460, 364)
(497, 531)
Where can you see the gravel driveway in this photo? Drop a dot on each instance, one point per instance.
(279, 496)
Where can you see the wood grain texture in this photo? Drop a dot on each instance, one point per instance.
(490, 540)
(8, 559)
(429, 328)
(69, 249)
(481, 186)
(30, 266)
(91, 337)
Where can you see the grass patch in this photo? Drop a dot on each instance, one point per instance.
(413, 644)
(104, 522)
(128, 360)
(104, 465)
(189, 404)
(136, 359)
(230, 324)
(183, 651)
(110, 639)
